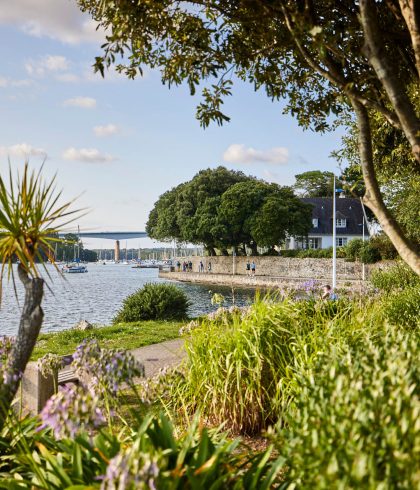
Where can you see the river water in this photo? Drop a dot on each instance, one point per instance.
(97, 295)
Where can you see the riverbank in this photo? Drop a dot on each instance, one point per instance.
(267, 282)
(125, 336)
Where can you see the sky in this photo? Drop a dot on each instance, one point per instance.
(116, 143)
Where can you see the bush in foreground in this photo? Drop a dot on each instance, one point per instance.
(398, 276)
(154, 302)
(355, 423)
(240, 369)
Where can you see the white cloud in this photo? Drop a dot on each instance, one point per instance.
(22, 150)
(67, 77)
(6, 82)
(46, 64)
(84, 102)
(106, 130)
(56, 19)
(241, 154)
(87, 155)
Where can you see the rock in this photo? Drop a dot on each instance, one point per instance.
(83, 325)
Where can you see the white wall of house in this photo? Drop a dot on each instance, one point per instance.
(326, 241)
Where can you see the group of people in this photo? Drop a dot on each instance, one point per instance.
(187, 266)
(250, 268)
(201, 267)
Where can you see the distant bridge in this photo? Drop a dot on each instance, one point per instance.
(110, 235)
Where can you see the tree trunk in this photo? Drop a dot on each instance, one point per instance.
(29, 327)
(386, 72)
(411, 13)
(254, 248)
(373, 198)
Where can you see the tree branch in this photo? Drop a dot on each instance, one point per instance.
(411, 13)
(384, 69)
(337, 79)
(373, 198)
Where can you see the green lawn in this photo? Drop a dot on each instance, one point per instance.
(121, 336)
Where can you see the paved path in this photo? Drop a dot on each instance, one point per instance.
(157, 356)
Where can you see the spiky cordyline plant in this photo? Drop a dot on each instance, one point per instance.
(30, 220)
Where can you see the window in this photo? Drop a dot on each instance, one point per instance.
(341, 223)
(341, 241)
(314, 243)
(315, 222)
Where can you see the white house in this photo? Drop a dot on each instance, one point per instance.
(349, 223)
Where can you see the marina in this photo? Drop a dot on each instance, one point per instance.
(96, 296)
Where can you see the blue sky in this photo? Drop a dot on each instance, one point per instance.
(121, 143)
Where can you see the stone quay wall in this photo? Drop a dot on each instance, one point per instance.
(285, 267)
(268, 282)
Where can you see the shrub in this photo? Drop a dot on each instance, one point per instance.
(154, 302)
(403, 307)
(384, 246)
(369, 254)
(398, 276)
(151, 456)
(240, 368)
(355, 422)
(353, 248)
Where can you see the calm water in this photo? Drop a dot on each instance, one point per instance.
(97, 295)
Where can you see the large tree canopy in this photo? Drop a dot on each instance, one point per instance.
(325, 57)
(315, 183)
(222, 208)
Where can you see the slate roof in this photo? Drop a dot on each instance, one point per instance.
(346, 208)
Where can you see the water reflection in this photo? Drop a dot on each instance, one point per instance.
(97, 296)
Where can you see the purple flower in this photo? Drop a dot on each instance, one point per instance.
(131, 469)
(106, 370)
(311, 286)
(70, 411)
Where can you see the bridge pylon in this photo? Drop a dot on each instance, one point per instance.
(117, 250)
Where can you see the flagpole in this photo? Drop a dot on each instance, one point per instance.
(334, 271)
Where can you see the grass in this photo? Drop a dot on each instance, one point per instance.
(121, 336)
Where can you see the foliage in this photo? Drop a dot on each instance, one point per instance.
(369, 254)
(154, 302)
(315, 183)
(325, 58)
(396, 171)
(223, 208)
(151, 456)
(403, 307)
(398, 276)
(240, 366)
(257, 213)
(354, 423)
(123, 336)
(354, 248)
(30, 219)
(384, 246)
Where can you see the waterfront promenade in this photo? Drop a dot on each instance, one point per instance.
(271, 272)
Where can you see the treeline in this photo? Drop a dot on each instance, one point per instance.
(71, 247)
(222, 209)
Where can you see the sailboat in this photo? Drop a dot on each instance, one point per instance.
(76, 267)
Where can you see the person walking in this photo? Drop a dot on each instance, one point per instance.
(253, 267)
(209, 267)
(248, 268)
(201, 267)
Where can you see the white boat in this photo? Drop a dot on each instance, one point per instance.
(76, 268)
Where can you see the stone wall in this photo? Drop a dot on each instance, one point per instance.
(280, 267)
(241, 280)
